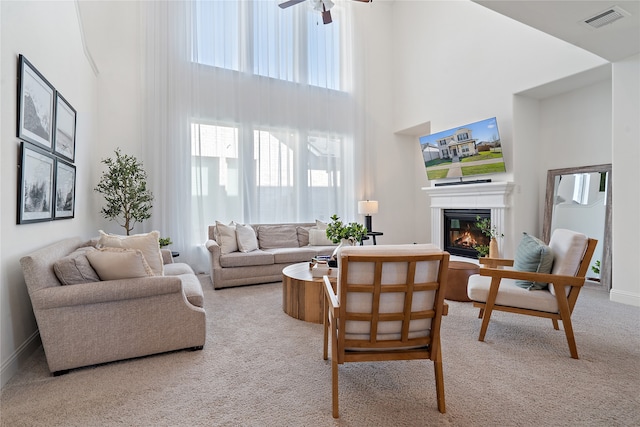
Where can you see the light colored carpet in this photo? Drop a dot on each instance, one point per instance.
(261, 367)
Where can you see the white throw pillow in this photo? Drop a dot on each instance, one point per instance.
(246, 238)
(321, 225)
(318, 237)
(226, 238)
(119, 263)
(147, 243)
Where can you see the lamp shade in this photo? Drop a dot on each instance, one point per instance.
(368, 207)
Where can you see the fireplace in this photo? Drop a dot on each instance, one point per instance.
(492, 196)
(461, 235)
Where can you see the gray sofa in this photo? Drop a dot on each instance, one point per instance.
(103, 321)
(279, 245)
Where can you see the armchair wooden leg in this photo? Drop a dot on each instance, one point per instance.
(555, 324)
(565, 313)
(481, 313)
(325, 354)
(437, 365)
(334, 388)
(488, 308)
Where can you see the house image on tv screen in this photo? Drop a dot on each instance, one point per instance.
(473, 149)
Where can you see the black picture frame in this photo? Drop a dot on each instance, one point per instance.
(35, 194)
(64, 135)
(36, 97)
(65, 194)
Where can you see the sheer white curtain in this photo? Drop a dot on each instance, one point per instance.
(250, 116)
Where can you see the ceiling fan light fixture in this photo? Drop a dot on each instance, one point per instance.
(322, 5)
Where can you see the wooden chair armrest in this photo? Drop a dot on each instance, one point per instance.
(534, 277)
(496, 262)
(331, 296)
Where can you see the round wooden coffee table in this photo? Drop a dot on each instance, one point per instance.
(302, 294)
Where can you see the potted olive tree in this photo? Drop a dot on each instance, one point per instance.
(124, 187)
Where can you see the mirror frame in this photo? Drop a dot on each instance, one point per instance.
(605, 263)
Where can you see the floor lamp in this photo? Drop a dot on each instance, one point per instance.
(366, 208)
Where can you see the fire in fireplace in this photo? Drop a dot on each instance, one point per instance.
(460, 232)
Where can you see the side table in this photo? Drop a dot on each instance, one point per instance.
(459, 272)
(374, 234)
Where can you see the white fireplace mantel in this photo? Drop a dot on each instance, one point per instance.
(495, 196)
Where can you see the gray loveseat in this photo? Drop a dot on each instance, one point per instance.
(279, 245)
(103, 321)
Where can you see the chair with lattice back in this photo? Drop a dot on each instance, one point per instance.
(388, 305)
(549, 294)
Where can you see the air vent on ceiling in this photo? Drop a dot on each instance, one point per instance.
(606, 17)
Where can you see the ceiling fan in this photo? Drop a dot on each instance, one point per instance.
(322, 6)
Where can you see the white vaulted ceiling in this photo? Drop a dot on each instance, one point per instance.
(564, 20)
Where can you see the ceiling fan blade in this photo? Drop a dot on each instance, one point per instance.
(326, 15)
(289, 3)
(364, 1)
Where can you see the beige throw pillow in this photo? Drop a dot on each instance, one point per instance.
(119, 263)
(226, 238)
(246, 238)
(318, 237)
(75, 268)
(148, 243)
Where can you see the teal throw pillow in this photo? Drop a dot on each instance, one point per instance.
(534, 256)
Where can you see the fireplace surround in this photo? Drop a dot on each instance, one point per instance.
(493, 196)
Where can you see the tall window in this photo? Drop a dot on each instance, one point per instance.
(286, 176)
(286, 44)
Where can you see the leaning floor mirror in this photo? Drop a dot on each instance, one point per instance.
(580, 199)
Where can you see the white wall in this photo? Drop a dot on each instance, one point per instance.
(113, 39)
(48, 34)
(626, 176)
(458, 62)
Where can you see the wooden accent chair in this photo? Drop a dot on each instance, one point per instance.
(388, 306)
(495, 289)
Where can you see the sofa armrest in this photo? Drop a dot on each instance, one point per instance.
(106, 291)
(215, 251)
(167, 258)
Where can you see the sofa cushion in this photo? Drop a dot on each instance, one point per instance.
(246, 238)
(119, 263)
(291, 255)
(277, 236)
(532, 255)
(318, 237)
(75, 268)
(147, 243)
(177, 268)
(303, 236)
(240, 259)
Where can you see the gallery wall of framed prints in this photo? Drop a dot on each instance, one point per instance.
(47, 130)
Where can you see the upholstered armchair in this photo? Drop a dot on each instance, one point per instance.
(388, 305)
(548, 288)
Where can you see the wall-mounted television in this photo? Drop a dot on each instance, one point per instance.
(468, 150)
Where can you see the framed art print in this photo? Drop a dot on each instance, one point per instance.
(35, 195)
(64, 142)
(65, 190)
(35, 106)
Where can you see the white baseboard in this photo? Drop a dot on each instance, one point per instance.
(15, 361)
(624, 297)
